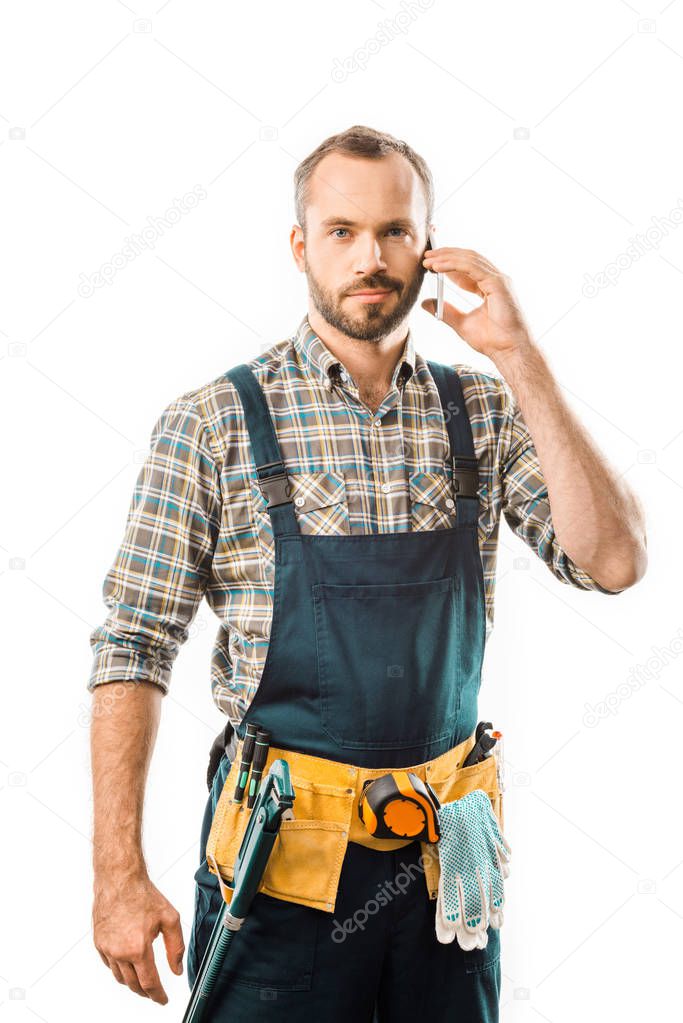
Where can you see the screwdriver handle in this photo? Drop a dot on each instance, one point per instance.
(260, 756)
(245, 761)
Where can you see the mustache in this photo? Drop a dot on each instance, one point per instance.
(376, 285)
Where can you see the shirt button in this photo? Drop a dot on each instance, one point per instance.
(298, 501)
(450, 503)
(344, 376)
(376, 422)
(386, 487)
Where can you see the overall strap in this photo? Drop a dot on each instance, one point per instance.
(270, 467)
(463, 459)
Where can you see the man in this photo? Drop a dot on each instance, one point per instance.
(397, 491)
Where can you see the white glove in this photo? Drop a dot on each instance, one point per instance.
(474, 858)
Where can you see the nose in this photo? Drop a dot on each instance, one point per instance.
(368, 257)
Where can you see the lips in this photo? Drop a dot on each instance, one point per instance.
(375, 291)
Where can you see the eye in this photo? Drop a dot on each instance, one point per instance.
(339, 229)
(398, 229)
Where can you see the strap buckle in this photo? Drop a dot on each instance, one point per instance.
(465, 476)
(275, 487)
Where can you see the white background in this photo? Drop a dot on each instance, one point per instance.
(553, 133)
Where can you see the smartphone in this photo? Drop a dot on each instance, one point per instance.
(431, 237)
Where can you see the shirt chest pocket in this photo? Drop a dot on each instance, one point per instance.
(320, 502)
(432, 501)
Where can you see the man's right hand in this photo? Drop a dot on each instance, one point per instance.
(128, 914)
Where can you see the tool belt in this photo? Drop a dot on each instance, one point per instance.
(306, 861)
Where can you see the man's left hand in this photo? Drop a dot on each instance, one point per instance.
(497, 327)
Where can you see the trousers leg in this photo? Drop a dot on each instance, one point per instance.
(291, 962)
(206, 886)
(423, 978)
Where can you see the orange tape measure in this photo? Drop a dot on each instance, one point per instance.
(400, 805)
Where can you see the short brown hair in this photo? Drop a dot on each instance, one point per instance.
(368, 143)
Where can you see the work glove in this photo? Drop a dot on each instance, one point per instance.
(474, 858)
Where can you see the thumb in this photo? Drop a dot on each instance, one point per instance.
(172, 932)
(452, 316)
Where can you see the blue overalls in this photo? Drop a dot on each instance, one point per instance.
(374, 659)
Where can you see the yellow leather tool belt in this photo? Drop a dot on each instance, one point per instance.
(306, 860)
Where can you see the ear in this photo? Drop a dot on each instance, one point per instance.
(296, 241)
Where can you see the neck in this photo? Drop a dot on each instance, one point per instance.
(370, 363)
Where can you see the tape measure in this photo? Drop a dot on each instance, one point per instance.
(400, 805)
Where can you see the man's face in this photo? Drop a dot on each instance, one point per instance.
(365, 230)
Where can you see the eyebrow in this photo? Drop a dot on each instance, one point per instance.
(345, 222)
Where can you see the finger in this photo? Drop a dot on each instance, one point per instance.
(473, 904)
(461, 280)
(466, 938)
(172, 932)
(496, 895)
(503, 860)
(482, 921)
(474, 268)
(148, 977)
(498, 850)
(452, 316)
(445, 927)
(496, 900)
(465, 257)
(130, 978)
(470, 254)
(114, 967)
(493, 901)
(501, 840)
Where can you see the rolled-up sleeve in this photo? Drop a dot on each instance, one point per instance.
(160, 573)
(526, 507)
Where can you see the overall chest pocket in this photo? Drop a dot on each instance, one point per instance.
(389, 661)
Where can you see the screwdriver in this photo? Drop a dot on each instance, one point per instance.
(260, 756)
(247, 754)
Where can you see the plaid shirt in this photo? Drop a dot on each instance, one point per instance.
(198, 525)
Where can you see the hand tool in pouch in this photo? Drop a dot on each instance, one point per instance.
(485, 741)
(273, 804)
(245, 761)
(260, 757)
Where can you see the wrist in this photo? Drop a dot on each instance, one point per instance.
(511, 362)
(115, 871)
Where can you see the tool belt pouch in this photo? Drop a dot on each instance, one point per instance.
(305, 863)
(450, 784)
(306, 860)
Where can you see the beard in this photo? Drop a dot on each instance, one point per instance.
(371, 321)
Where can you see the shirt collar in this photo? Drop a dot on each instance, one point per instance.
(321, 363)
